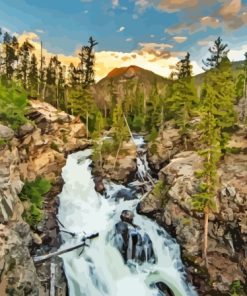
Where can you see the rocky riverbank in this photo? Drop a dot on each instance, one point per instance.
(170, 206)
(37, 149)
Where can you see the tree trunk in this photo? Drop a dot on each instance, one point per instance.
(87, 124)
(205, 247)
(57, 96)
(129, 129)
(115, 161)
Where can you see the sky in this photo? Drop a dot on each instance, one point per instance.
(152, 34)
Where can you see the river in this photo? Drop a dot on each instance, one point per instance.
(99, 269)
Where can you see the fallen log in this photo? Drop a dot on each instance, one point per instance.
(42, 258)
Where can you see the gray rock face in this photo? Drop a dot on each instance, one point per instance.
(164, 147)
(6, 133)
(16, 262)
(26, 129)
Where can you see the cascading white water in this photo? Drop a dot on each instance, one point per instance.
(100, 270)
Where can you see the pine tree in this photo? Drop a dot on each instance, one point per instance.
(10, 48)
(24, 63)
(33, 76)
(97, 138)
(222, 81)
(210, 140)
(87, 59)
(184, 67)
(73, 79)
(61, 87)
(52, 81)
(217, 115)
(217, 52)
(241, 90)
(120, 129)
(42, 74)
(183, 100)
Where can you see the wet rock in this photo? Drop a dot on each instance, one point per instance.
(99, 184)
(164, 289)
(6, 133)
(132, 243)
(127, 216)
(124, 193)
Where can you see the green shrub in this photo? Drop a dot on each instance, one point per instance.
(33, 193)
(2, 142)
(153, 135)
(54, 146)
(13, 103)
(108, 147)
(138, 123)
(236, 289)
(233, 150)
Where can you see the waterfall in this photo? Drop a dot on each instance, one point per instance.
(100, 269)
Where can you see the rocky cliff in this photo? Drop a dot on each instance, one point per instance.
(37, 149)
(227, 247)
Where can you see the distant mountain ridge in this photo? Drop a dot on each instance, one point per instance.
(131, 79)
(120, 81)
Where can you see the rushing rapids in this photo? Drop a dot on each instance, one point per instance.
(101, 269)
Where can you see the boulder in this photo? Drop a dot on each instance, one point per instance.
(164, 289)
(164, 147)
(124, 193)
(131, 242)
(25, 129)
(120, 170)
(6, 133)
(127, 216)
(99, 185)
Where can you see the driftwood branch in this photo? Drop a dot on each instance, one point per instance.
(41, 258)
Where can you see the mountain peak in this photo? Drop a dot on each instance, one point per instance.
(128, 72)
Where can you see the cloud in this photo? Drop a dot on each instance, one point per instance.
(181, 28)
(175, 5)
(237, 54)
(115, 3)
(225, 14)
(209, 21)
(152, 36)
(231, 8)
(156, 46)
(121, 29)
(180, 39)
(207, 41)
(155, 57)
(129, 39)
(166, 5)
(40, 31)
